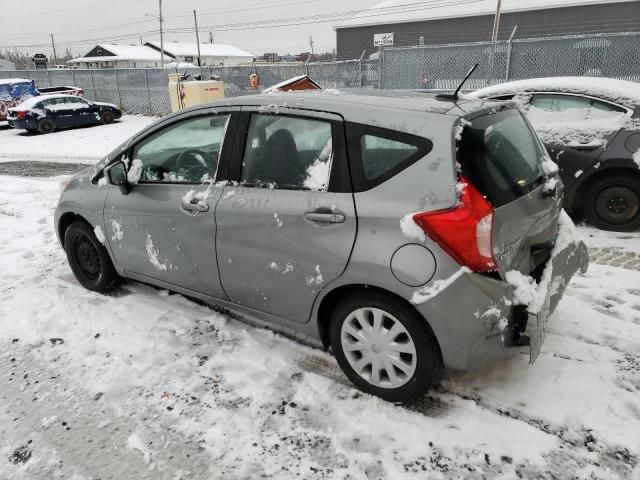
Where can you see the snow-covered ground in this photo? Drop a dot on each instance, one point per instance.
(147, 384)
(76, 145)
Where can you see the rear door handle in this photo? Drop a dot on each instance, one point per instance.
(195, 207)
(325, 216)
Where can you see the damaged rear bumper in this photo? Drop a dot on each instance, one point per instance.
(492, 321)
(555, 278)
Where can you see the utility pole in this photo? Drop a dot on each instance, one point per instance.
(161, 36)
(195, 19)
(496, 23)
(53, 44)
(311, 44)
(211, 37)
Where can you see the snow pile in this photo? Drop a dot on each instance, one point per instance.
(152, 254)
(459, 128)
(135, 171)
(318, 173)
(526, 291)
(316, 279)
(99, 234)
(577, 127)
(116, 228)
(197, 198)
(433, 289)
(411, 229)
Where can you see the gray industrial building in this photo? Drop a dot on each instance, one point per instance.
(462, 21)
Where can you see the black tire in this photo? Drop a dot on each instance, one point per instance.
(89, 259)
(107, 117)
(46, 126)
(429, 367)
(613, 203)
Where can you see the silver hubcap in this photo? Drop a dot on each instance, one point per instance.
(378, 347)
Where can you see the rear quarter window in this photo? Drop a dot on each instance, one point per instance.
(377, 154)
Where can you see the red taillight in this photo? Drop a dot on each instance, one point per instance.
(464, 232)
(21, 115)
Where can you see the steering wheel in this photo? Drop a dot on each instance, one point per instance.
(192, 160)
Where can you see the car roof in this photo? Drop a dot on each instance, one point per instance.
(9, 81)
(339, 101)
(617, 91)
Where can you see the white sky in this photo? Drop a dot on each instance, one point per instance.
(74, 21)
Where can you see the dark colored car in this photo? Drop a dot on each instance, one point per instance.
(13, 91)
(51, 112)
(591, 127)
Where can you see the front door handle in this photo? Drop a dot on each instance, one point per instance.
(325, 216)
(195, 207)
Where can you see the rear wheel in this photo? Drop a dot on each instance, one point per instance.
(46, 126)
(89, 259)
(384, 347)
(613, 203)
(107, 117)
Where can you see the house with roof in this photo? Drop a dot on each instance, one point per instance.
(402, 23)
(214, 54)
(6, 65)
(108, 55)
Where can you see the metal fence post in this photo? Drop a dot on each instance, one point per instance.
(93, 86)
(146, 84)
(115, 70)
(380, 66)
(509, 53)
(360, 70)
(49, 76)
(73, 77)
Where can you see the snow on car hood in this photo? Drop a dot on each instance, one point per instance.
(619, 91)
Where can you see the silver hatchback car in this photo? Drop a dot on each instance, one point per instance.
(406, 232)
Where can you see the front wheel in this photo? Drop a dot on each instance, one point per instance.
(89, 259)
(385, 347)
(613, 203)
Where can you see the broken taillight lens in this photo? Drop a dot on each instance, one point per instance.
(464, 232)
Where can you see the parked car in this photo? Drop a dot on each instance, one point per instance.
(14, 91)
(53, 112)
(591, 127)
(341, 220)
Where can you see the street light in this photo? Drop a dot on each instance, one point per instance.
(160, 19)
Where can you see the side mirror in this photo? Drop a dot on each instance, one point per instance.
(116, 173)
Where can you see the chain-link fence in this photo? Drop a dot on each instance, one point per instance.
(442, 67)
(433, 67)
(138, 90)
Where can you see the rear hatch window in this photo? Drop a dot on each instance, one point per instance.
(501, 156)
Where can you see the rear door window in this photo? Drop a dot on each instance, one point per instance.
(558, 103)
(377, 154)
(501, 156)
(288, 152)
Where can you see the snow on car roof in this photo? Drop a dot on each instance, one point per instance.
(32, 101)
(7, 81)
(620, 91)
